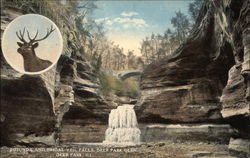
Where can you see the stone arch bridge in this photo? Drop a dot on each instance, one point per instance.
(126, 74)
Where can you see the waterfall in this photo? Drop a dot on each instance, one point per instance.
(123, 126)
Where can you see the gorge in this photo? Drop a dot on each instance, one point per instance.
(196, 97)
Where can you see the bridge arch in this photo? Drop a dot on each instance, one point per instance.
(128, 74)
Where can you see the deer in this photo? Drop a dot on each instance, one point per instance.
(31, 62)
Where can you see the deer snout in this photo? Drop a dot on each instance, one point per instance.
(23, 50)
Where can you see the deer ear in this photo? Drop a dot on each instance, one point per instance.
(35, 45)
(19, 44)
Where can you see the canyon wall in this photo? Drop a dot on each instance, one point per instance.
(44, 109)
(206, 80)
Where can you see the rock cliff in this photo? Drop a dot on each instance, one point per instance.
(207, 78)
(44, 106)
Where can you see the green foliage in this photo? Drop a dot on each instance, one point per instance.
(181, 24)
(109, 83)
(79, 26)
(99, 63)
(58, 11)
(158, 47)
(82, 51)
(131, 87)
(83, 9)
(96, 61)
(194, 8)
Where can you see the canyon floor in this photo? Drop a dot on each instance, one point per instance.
(154, 150)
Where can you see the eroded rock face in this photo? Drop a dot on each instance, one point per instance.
(40, 109)
(233, 98)
(187, 86)
(191, 103)
(27, 108)
(86, 106)
(207, 79)
(26, 101)
(239, 147)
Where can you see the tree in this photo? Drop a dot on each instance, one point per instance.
(98, 63)
(181, 25)
(83, 9)
(79, 25)
(131, 59)
(194, 8)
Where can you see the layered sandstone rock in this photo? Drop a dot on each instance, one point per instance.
(26, 101)
(195, 75)
(27, 107)
(87, 108)
(239, 147)
(186, 86)
(186, 133)
(233, 98)
(207, 78)
(43, 107)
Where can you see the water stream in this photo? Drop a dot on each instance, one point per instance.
(123, 126)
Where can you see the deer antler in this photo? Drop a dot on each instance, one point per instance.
(21, 35)
(49, 31)
(32, 40)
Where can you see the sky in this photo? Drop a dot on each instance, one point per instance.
(127, 23)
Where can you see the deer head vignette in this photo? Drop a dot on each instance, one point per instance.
(32, 63)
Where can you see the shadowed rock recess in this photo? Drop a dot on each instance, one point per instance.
(199, 93)
(206, 80)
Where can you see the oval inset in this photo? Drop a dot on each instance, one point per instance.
(32, 44)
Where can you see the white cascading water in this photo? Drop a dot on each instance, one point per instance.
(123, 126)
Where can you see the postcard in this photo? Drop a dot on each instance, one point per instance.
(125, 78)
